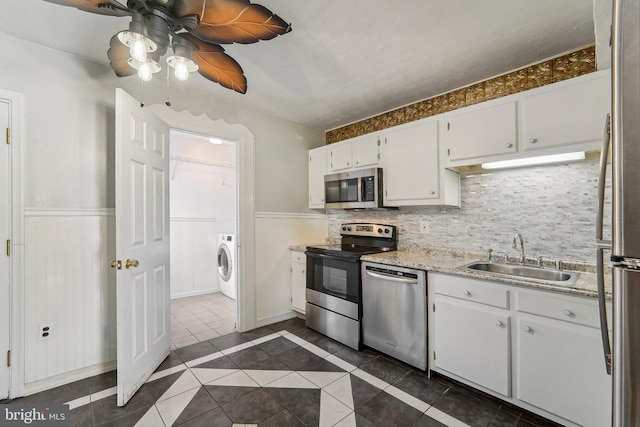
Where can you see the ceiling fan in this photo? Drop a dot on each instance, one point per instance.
(193, 29)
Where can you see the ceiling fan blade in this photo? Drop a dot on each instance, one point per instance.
(216, 65)
(118, 54)
(232, 21)
(101, 7)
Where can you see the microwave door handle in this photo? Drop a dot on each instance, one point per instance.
(361, 189)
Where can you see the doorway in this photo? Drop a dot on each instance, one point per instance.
(204, 218)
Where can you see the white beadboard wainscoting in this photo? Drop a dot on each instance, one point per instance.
(70, 287)
(275, 232)
(194, 251)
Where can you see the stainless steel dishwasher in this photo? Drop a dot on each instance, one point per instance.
(394, 312)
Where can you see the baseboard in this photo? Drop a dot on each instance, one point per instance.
(275, 319)
(193, 294)
(68, 377)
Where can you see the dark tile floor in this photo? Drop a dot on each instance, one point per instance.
(284, 375)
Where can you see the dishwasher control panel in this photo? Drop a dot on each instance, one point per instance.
(391, 272)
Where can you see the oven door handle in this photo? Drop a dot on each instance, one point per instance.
(392, 278)
(332, 257)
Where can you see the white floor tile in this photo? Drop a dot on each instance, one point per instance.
(444, 418)
(266, 377)
(293, 380)
(265, 339)
(340, 363)
(170, 409)
(150, 419)
(322, 379)
(165, 372)
(207, 358)
(316, 350)
(206, 375)
(104, 393)
(187, 381)
(407, 398)
(374, 381)
(331, 411)
(76, 403)
(184, 341)
(341, 390)
(296, 339)
(238, 379)
(348, 421)
(206, 335)
(237, 348)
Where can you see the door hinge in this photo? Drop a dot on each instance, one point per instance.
(8, 136)
(378, 142)
(434, 355)
(378, 156)
(8, 247)
(8, 358)
(448, 126)
(434, 307)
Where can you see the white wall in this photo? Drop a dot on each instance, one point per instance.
(69, 176)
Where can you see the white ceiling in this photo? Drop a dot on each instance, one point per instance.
(346, 60)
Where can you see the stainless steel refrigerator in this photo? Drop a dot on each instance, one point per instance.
(624, 357)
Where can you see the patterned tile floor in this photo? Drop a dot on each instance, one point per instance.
(201, 318)
(283, 375)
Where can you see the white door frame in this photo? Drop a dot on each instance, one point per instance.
(245, 199)
(16, 285)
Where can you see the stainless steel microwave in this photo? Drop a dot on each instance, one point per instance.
(359, 189)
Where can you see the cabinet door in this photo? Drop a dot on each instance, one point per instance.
(411, 167)
(481, 132)
(317, 170)
(366, 151)
(298, 286)
(340, 156)
(560, 369)
(473, 342)
(573, 113)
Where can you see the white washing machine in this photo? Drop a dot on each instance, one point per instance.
(227, 264)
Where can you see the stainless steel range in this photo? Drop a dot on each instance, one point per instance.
(334, 283)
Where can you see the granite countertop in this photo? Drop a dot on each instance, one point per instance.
(448, 260)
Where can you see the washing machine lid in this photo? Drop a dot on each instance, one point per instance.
(225, 266)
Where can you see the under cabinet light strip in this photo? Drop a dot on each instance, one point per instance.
(530, 161)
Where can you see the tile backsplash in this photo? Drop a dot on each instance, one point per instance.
(553, 207)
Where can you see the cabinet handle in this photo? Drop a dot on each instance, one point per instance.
(567, 312)
(500, 323)
(357, 163)
(533, 140)
(302, 271)
(508, 145)
(347, 163)
(433, 192)
(467, 293)
(448, 152)
(528, 329)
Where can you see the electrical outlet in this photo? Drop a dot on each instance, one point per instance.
(424, 227)
(45, 332)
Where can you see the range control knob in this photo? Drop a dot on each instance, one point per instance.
(380, 230)
(387, 231)
(344, 228)
(348, 228)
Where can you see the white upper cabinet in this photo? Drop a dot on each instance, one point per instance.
(481, 131)
(572, 113)
(317, 170)
(557, 118)
(411, 168)
(354, 153)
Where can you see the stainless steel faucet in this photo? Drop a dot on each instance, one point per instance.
(517, 237)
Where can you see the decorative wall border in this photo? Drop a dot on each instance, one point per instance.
(564, 67)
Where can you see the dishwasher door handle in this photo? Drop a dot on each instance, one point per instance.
(383, 276)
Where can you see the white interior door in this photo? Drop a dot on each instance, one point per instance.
(5, 235)
(142, 243)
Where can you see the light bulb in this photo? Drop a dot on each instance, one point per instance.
(138, 49)
(182, 70)
(144, 72)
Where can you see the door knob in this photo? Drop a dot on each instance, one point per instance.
(115, 263)
(131, 263)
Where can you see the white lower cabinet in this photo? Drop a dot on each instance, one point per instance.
(477, 345)
(537, 349)
(298, 281)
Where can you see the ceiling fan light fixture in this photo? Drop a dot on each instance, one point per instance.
(139, 45)
(146, 69)
(182, 66)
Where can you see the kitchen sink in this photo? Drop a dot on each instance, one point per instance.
(525, 271)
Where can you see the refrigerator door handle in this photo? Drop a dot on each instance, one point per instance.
(603, 245)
